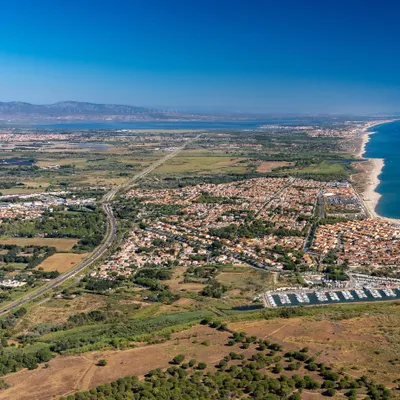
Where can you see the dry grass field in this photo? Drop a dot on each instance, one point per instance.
(62, 244)
(268, 166)
(58, 310)
(361, 346)
(176, 283)
(66, 375)
(61, 262)
(245, 279)
(21, 190)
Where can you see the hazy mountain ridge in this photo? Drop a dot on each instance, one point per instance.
(75, 110)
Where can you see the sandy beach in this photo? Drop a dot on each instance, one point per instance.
(375, 165)
(370, 196)
(366, 134)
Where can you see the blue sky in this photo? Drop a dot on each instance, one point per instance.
(250, 55)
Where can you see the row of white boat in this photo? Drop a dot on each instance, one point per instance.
(303, 298)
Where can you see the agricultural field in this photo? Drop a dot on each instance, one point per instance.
(33, 188)
(61, 244)
(322, 169)
(94, 169)
(61, 164)
(268, 166)
(61, 262)
(203, 164)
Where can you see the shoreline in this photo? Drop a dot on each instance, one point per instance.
(365, 136)
(370, 196)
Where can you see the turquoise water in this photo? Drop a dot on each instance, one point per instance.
(385, 143)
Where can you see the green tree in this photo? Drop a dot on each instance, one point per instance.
(178, 359)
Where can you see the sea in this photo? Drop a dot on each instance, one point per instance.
(385, 143)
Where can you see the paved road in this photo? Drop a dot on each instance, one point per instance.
(275, 195)
(251, 262)
(110, 235)
(107, 241)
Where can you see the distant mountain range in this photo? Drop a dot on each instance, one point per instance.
(82, 111)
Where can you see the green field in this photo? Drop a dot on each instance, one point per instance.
(323, 168)
(202, 164)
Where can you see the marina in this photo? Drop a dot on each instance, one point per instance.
(302, 298)
(334, 296)
(329, 297)
(389, 292)
(283, 299)
(361, 294)
(347, 295)
(375, 293)
(321, 296)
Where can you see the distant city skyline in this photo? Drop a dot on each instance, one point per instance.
(226, 56)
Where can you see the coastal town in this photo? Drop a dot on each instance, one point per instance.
(199, 200)
(271, 223)
(367, 242)
(267, 223)
(249, 221)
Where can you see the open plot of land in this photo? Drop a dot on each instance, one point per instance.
(61, 244)
(323, 168)
(202, 164)
(361, 346)
(58, 310)
(21, 190)
(38, 184)
(95, 169)
(78, 162)
(347, 343)
(68, 374)
(268, 166)
(245, 278)
(61, 262)
(177, 283)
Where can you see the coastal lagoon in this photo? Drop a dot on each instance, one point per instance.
(385, 143)
(175, 125)
(17, 161)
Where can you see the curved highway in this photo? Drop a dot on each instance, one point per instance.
(99, 251)
(107, 241)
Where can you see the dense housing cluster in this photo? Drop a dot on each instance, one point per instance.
(369, 241)
(24, 207)
(146, 249)
(252, 218)
(342, 201)
(18, 211)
